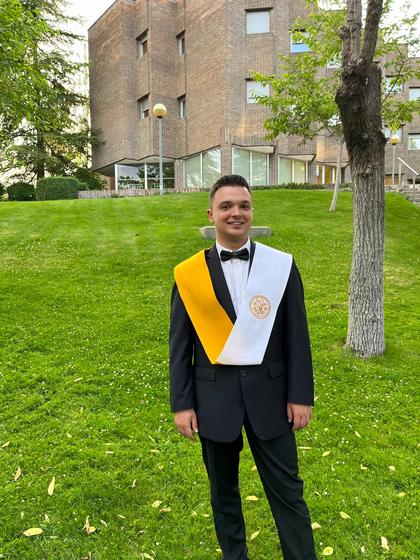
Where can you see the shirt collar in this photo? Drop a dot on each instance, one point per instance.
(220, 248)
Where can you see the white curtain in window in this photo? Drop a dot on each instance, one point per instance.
(193, 172)
(211, 167)
(241, 163)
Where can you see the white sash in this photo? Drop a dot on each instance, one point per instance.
(247, 342)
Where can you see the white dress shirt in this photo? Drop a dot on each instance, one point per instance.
(236, 274)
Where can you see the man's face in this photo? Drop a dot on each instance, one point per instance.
(231, 214)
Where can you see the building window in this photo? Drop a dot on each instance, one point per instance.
(182, 104)
(414, 141)
(414, 93)
(257, 21)
(142, 44)
(388, 133)
(292, 171)
(297, 41)
(251, 164)
(202, 170)
(391, 86)
(144, 176)
(181, 43)
(255, 88)
(143, 105)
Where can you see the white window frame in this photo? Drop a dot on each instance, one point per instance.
(249, 15)
(412, 89)
(182, 104)
(293, 43)
(181, 43)
(414, 136)
(142, 43)
(394, 89)
(265, 90)
(144, 107)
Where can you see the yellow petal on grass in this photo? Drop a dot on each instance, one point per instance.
(254, 468)
(134, 483)
(384, 543)
(88, 527)
(123, 516)
(51, 487)
(344, 515)
(315, 525)
(154, 451)
(46, 517)
(156, 504)
(328, 551)
(104, 523)
(205, 515)
(145, 556)
(165, 510)
(357, 434)
(18, 474)
(33, 531)
(401, 494)
(254, 535)
(363, 468)
(5, 444)
(326, 453)
(391, 468)
(362, 549)
(304, 448)
(251, 499)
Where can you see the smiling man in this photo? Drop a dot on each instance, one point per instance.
(240, 358)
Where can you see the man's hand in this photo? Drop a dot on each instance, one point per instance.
(186, 422)
(300, 414)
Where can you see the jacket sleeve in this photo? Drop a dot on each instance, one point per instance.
(300, 383)
(181, 349)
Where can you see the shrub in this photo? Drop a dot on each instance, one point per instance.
(92, 181)
(2, 190)
(21, 191)
(58, 188)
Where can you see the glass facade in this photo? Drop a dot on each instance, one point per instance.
(291, 171)
(145, 176)
(252, 165)
(202, 170)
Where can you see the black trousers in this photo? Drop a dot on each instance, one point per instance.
(276, 461)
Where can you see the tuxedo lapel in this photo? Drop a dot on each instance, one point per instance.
(219, 282)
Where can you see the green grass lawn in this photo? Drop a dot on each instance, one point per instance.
(84, 305)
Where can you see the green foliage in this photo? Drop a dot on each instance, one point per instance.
(302, 99)
(93, 181)
(2, 190)
(58, 188)
(85, 288)
(21, 191)
(43, 121)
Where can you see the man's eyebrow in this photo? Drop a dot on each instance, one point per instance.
(230, 202)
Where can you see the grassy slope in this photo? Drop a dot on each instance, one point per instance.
(84, 303)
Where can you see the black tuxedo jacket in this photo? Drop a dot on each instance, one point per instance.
(220, 394)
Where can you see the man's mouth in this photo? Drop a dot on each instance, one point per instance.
(236, 223)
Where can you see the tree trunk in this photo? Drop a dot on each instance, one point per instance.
(40, 160)
(359, 101)
(337, 175)
(366, 147)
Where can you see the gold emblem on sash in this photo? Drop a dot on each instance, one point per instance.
(260, 307)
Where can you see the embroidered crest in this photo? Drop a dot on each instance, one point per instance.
(260, 307)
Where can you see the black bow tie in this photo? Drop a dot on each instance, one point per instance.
(243, 255)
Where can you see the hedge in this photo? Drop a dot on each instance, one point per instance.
(58, 188)
(21, 191)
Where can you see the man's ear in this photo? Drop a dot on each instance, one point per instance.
(210, 215)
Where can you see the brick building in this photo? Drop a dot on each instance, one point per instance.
(197, 57)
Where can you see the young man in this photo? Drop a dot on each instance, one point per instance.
(240, 356)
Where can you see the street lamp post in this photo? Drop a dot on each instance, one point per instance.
(159, 111)
(394, 140)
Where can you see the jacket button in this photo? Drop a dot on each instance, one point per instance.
(243, 372)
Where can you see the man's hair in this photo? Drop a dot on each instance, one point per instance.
(228, 181)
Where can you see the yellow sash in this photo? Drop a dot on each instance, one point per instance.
(210, 320)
